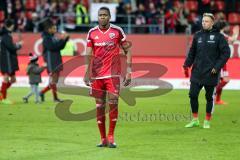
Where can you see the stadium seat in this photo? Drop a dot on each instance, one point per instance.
(30, 4)
(234, 18)
(2, 16)
(29, 14)
(238, 6)
(191, 5)
(220, 5)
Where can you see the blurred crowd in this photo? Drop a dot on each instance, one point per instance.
(145, 16)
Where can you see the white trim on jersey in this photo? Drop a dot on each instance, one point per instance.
(94, 28)
(111, 26)
(104, 77)
(121, 30)
(102, 31)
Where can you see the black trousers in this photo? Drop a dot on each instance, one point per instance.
(195, 89)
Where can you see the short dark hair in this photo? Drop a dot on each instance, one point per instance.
(48, 24)
(221, 24)
(8, 23)
(106, 9)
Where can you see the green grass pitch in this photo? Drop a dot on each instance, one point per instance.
(153, 129)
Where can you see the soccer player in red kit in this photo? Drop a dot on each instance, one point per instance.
(225, 30)
(103, 71)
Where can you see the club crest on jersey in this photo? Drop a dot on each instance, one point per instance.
(212, 37)
(200, 40)
(112, 35)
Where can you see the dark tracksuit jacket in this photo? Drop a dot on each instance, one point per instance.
(209, 50)
(8, 53)
(51, 52)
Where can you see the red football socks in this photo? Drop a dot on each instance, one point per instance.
(195, 115)
(219, 89)
(9, 85)
(101, 120)
(4, 89)
(54, 90)
(113, 115)
(208, 116)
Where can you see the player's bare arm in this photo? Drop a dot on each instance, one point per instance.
(127, 78)
(235, 35)
(87, 71)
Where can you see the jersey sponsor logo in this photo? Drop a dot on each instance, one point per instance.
(112, 35)
(212, 37)
(102, 44)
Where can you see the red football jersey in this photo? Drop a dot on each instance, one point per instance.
(224, 71)
(226, 36)
(106, 51)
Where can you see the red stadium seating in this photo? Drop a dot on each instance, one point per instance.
(192, 16)
(191, 5)
(234, 18)
(220, 5)
(2, 16)
(238, 6)
(29, 14)
(30, 4)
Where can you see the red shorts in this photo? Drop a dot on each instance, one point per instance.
(100, 87)
(224, 71)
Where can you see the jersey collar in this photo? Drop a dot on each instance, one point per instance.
(106, 30)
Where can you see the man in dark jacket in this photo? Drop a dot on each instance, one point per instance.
(52, 56)
(208, 54)
(8, 59)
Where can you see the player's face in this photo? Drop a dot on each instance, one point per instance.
(52, 30)
(226, 30)
(103, 17)
(207, 23)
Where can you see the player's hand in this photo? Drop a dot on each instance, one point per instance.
(127, 79)
(45, 65)
(235, 34)
(19, 44)
(236, 30)
(86, 80)
(214, 71)
(65, 36)
(186, 71)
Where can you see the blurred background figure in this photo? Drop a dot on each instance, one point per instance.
(134, 16)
